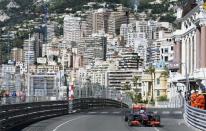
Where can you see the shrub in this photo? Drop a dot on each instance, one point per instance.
(162, 98)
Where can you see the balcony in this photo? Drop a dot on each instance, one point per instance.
(174, 66)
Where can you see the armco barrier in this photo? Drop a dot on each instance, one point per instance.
(96, 103)
(20, 114)
(14, 115)
(195, 117)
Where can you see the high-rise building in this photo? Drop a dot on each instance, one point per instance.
(39, 38)
(162, 51)
(72, 28)
(118, 79)
(100, 21)
(147, 27)
(29, 51)
(130, 61)
(50, 31)
(17, 54)
(87, 24)
(126, 30)
(116, 19)
(92, 48)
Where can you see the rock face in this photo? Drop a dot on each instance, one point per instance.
(3, 16)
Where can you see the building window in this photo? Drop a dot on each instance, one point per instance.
(158, 92)
(166, 58)
(166, 50)
(172, 48)
(158, 81)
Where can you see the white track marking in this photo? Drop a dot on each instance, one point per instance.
(155, 112)
(156, 129)
(165, 112)
(117, 112)
(92, 112)
(104, 112)
(55, 129)
(178, 112)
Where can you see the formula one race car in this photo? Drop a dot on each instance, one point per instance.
(138, 116)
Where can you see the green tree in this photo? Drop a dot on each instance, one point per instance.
(2, 92)
(165, 73)
(162, 98)
(137, 98)
(151, 71)
(135, 80)
(127, 86)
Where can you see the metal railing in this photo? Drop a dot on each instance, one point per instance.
(14, 115)
(195, 117)
(25, 99)
(18, 114)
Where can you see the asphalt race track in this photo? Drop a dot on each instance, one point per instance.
(109, 120)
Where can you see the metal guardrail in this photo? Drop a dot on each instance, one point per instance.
(19, 114)
(96, 103)
(195, 117)
(14, 115)
(25, 99)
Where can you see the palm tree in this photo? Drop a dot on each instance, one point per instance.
(127, 86)
(151, 70)
(135, 80)
(165, 72)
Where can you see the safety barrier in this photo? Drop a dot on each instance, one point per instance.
(19, 114)
(96, 103)
(195, 117)
(14, 115)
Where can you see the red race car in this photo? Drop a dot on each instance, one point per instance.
(139, 116)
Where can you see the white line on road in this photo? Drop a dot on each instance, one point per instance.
(181, 123)
(55, 129)
(104, 112)
(156, 129)
(165, 112)
(155, 112)
(92, 112)
(177, 112)
(117, 112)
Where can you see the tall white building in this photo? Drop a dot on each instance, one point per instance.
(147, 27)
(117, 79)
(92, 48)
(72, 28)
(126, 30)
(29, 51)
(50, 31)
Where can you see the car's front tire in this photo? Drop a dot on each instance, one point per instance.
(126, 119)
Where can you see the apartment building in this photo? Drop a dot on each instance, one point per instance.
(17, 54)
(116, 19)
(72, 28)
(100, 21)
(119, 78)
(29, 51)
